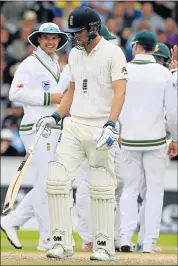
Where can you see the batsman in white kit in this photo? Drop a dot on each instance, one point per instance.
(94, 98)
(37, 85)
(150, 94)
(83, 202)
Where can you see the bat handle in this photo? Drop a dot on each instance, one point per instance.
(37, 137)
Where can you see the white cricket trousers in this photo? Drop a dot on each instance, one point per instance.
(83, 201)
(153, 163)
(35, 203)
(77, 144)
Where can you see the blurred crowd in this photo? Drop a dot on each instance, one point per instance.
(18, 19)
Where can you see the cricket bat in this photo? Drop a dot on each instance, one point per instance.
(16, 182)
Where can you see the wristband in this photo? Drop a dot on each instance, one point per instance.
(56, 116)
(110, 123)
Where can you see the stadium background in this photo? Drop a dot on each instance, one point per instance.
(123, 19)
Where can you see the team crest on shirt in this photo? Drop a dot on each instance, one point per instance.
(46, 85)
(156, 48)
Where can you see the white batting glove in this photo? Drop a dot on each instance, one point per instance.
(109, 136)
(47, 122)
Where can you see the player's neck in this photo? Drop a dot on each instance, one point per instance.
(52, 56)
(93, 44)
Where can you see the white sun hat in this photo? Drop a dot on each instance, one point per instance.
(48, 28)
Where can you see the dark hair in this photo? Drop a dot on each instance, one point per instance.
(146, 48)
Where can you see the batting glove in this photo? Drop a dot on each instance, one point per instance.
(47, 122)
(109, 135)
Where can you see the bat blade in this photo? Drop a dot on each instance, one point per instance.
(16, 182)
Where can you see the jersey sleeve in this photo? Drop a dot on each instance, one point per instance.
(64, 81)
(21, 90)
(118, 65)
(171, 108)
(71, 78)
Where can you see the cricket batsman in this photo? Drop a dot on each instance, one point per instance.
(94, 99)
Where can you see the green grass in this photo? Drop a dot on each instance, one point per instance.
(29, 241)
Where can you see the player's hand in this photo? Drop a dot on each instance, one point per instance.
(47, 123)
(109, 136)
(46, 132)
(174, 53)
(173, 149)
(174, 64)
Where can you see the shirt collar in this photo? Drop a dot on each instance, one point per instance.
(44, 55)
(144, 57)
(101, 42)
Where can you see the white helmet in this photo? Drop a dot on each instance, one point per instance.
(48, 28)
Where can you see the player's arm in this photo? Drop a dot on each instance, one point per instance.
(21, 90)
(174, 53)
(119, 77)
(61, 111)
(170, 101)
(69, 82)
(174, 64)
(63, 86)
(64, 107)
(119, 88)
(64, 81)
(66, 102)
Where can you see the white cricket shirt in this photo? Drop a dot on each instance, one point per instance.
(149, 95)
(93, 75)
(37, 77)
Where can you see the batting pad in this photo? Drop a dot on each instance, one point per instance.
(60, 201)
(102, 193)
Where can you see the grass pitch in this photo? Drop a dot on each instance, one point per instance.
(30, 256)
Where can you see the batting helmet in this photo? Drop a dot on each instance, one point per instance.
(83, 18)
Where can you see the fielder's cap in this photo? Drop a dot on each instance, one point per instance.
(48, 28)
(106, 34)
(162, 50)
(6, 134)
(146, 39)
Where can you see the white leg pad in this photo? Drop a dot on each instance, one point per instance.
(60, 200)
(102, 193)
